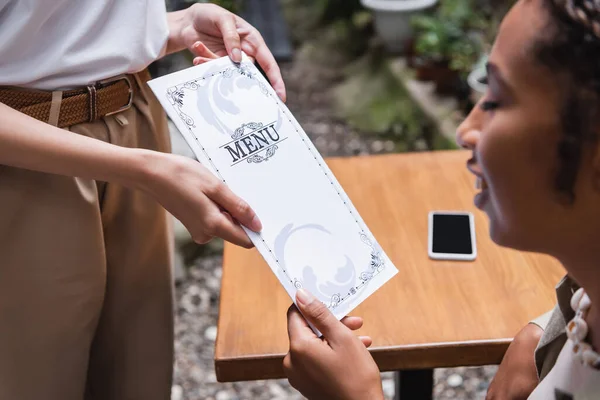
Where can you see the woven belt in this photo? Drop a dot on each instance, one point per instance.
(107, 97)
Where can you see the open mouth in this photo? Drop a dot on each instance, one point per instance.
(480, 183)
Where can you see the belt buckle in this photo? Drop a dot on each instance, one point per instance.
(116, 79)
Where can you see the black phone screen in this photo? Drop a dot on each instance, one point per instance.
(451, 234)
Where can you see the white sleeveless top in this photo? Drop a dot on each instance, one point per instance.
(61, 44)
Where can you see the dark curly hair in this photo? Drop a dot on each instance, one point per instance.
(570, 47)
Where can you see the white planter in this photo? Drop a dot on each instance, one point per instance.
(478, 88)
(392, 19)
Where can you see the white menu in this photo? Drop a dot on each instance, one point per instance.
(312, 235)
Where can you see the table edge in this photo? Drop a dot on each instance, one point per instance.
(388, 358)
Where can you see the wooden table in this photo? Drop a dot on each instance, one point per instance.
(432, 313)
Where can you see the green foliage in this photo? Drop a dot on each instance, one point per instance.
(463, 54)
(435, 37)
(369, 98)
(325, 36)
(305, 16)
(452, 34)
(373, 101)
(309, 17)
(231, 5)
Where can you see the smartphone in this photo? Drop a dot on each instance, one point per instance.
(452, 236)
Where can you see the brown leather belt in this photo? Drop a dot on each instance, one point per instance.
(107, 97)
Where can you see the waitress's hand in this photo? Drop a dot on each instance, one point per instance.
(337, 366)
(197, 198)
(223, 33)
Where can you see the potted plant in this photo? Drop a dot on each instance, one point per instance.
(433, 51)
(392, 20)
(447, 44)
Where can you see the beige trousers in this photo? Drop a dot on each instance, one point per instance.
(85, 280)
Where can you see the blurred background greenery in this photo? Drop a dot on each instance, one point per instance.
(405, 70)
